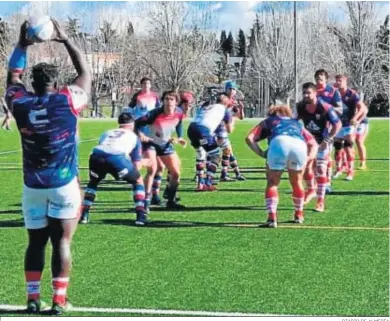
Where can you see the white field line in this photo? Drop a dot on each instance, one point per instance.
(15, 308)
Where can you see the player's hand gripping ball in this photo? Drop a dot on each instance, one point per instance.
(40, 28)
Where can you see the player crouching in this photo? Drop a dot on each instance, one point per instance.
(119, 153)
(290, 146)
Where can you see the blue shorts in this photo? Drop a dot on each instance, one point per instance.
(201, 136)
(164, 150)
(119, 166)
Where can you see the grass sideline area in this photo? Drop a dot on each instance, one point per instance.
(212, 257)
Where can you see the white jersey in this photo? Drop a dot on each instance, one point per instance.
(118, 141)
(211, 116)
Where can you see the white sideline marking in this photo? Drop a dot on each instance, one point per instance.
(151, 311)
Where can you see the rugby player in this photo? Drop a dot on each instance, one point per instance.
(331, 96)
(201, 133)
(158, 143)
(7, 115)
(47, 122)
(353, 109)
(317, 116)
(118, 153)
(237, 110)
(290, 146)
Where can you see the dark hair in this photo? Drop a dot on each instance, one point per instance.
(309, 85)
(219, 97)
(145, 79)
(170, 93)
(125, 118)
(320, 72)
(43, 74)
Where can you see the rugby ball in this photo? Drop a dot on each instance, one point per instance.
(40, 28)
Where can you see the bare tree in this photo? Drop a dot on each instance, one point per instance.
(273, 48)
(176, 49)
(359, 43)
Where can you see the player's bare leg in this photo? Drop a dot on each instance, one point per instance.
(61, 234)
(361, 147)
(172, 162)
(34, 263)
(309, 177)
(350, 153)
(339, 147)
(150, 173)
(6, 122)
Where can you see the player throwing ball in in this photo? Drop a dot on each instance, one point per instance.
(47, 122)
(290, 146)
(119, 153)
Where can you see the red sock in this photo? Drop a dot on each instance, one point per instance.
(321, 186)
(60, 285)
(299, 199)
(310, 181)
(272, 199)
(329, 170)
(33, 282)
(339, 160)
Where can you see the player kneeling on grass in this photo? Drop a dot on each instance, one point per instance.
(291, 146)
(118, 154)
(161, 123)
(47, 122)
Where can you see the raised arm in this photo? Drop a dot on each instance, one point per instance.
(83, 79)
(18, 60)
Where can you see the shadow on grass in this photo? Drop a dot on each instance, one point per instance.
(17, 211)
(187, 224)
(11, 223)
(125, 210)
(23, 312)
(359, 193)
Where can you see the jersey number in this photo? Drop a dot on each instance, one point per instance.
(38, 117)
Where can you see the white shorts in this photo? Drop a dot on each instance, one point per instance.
(60, 203)
(362, 129)
(287, 152)
(345, 131)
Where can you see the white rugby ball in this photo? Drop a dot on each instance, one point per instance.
(40, 28)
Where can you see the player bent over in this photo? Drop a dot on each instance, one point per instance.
(291, 146)
(47, 122)
(161, 123)
(119, 153)
(201, 132)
